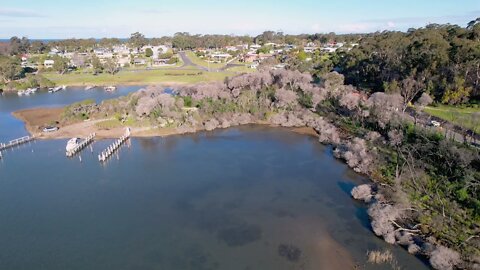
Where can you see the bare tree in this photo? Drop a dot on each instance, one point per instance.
(285, 98)
(409, 90)
(443, 258)
(111, 66)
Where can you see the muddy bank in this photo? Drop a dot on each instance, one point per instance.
(37, 118)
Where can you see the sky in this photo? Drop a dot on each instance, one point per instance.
(49, 19)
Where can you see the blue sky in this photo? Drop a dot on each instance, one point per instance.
(119, 18)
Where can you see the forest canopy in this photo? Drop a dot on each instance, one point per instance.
(443, 60)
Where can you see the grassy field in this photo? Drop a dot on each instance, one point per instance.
(198, 61)
(137, 77)
(241, 69)
(466, 117)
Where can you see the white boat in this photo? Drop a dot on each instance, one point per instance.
(89, 87)
(21, 92)
(110, 88)
(30, 91)
(64, 87)
(72, 143)
(50, 129)
(55, 89)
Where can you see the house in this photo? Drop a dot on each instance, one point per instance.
(123, 61)
(289, 47)
(48, 63)
(253, 57)
(310, 49)
(24, 60)
(242, 47)
(121, 50)
(329, 49)
(160, 62)
(231, 48)
(255, 47)
(78, 60)
(157, 50)
(263, 56)
(250, 57)
(139, 61)
(220, 57)
(103, 53)
(270, 44)
(54, 51)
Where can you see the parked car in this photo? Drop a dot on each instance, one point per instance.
(50, 129)
(434, 123)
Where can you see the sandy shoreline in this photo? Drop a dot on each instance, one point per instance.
(82, 84)
(37, 118)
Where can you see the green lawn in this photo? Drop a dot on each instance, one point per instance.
(199, 61)
(241, 69)
(137, 77)
(461, 116)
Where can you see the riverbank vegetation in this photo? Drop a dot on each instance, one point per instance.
(426, 187)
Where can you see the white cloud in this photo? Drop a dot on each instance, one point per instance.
(359, 27)
(22, 13)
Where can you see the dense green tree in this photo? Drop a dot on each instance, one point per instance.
(96, 65)
(19, 45)
(10, 68)
(183, 41)
(444, 59)
(61, 64)
(148, 52)
(137, 40)
(38, 47)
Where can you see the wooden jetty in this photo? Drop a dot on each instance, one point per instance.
(107, 153)
(12, 143)
(88, 140)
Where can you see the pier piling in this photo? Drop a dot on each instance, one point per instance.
(111, 149)
(19, 141)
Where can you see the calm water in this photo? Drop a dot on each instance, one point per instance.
(11, 128)
(213, 200)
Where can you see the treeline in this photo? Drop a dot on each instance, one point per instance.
(181, 40)
(441, 60)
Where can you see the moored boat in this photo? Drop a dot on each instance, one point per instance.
(55, 89)
(50, 129)
(110, 88)
(89, 87)
(72, 144)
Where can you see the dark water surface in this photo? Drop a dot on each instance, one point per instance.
(228, 199)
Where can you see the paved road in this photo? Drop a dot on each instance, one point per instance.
(452, 131)
(188, 62)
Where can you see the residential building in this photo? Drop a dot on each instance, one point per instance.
(48, 63)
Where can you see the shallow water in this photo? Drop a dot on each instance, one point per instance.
(228, 199)
(11, 128)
